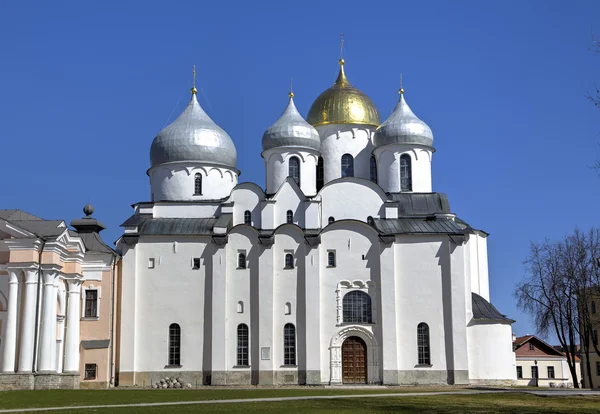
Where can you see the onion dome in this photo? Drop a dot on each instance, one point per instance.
(194, 137)
(403, 127)
(343, 104)
(291, 130)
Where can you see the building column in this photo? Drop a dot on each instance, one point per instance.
(71, 363)
(28, 321)
(60, 331)
(47, 336)
(9, 342)
(53, 327)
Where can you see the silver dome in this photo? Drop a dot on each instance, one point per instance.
(193, 136)
(291, 130)
(403, 127)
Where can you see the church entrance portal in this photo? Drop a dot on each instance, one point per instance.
(354, 361)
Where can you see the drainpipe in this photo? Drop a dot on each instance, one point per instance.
(37, 306)
(112, 320)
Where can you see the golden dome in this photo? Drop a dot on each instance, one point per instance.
(343, 104)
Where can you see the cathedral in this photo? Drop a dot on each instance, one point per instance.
(346, 269)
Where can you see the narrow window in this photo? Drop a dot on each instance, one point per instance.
(289, 261)
(423, 344)
(241, 260)
(331, 220)
(320, 174)
(151, 263)
(551, 372)
(534, 372)
(405, 173)
(595, 336)
(519, 372)
(174, 344)
(242, 345)
(373, 169)
(289, 344)
(357, 307)
(331, 259)
(531, 347)
(248, 217)
(198, 184)
(347, 165)
(196, 263)
(90, 372)
(593, 307)
(240, 307)
(289, 217)
(597, 367)
(294, 169)
(91, 303)
(288, 308)
(370, 221)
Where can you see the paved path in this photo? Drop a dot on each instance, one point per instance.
(308, 397)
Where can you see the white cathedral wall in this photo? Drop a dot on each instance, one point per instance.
(388, 167)
(247, 197)
(288, 199)
(277, 168)
(351, 200)
(174, 210)
(491, 356)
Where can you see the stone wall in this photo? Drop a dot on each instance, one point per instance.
(40, 381)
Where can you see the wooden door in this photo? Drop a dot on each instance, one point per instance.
(354, 361)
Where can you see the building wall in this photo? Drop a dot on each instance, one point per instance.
(388, 167)
(491, 356)
(561, 371)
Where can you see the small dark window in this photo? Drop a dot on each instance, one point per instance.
(405, 173)
(289, 217)
(90, 372)
(531, 347)
(370, 221)
(347, 165)
(534, 372)
(196, 263)
(357, 307)
(242, 345)
(330, 220)
(373, 169)
(519, 372)
(242, 261)
(597, 367)
(320, 174)
(423, 344)
(550, 372)
(248, 217)
(595, 336)
(91, 303)
(174, 344)
(289, 261)
(593, 307)
(198, 184)
(331, 259)
(289, 344)
(294, 169)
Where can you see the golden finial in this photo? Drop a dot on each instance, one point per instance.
(401, 90)
(291, 94)
(194, 90)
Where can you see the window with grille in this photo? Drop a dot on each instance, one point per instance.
(90, 372)
(289, 261)
(196, 263)
(531, 347)
(242, 261)
(357, 307)
(534, 372)
(331, 259)
(550, 372)
(519, 372)
(405, 173)
(373, 169)
(294, 169)
(248, 217)
(289, 344)
(320, 174)
(198, 184)
(289, 217)
(347, 165)
(242, 345)
(423, 344)
(91, 303)
(331, 220)
(174, 344)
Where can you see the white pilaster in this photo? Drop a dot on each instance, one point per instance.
(47, 335)
(9, 342)
(219, 317)
(28, 321)
(60, 342)
(72, 336)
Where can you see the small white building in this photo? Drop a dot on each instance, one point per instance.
(347, 268)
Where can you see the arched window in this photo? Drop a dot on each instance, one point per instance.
(289, 261)
(405, 173)
(357, 307)
(347, 165)
(331, 259)
(370, 220)
(242, 345)
(288, 308)
(289, 217)
(240, 307)
(320, 174)
(248, 217)
(294, 169)
(423, 344)
(593, 307)
(373, 169)
(289, 344)
(174, 344)
(242, 261)
(198, 184)
(330, 220)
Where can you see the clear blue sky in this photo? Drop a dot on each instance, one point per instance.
(85, 87)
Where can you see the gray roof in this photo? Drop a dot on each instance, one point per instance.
(16, 214)
(291, 130)
(484, 311)
(93, 243)
(41, 228)
(420, 226)
(403, 127)
(136, 219)
(193, 136)
(177, 226)
(421, 204)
